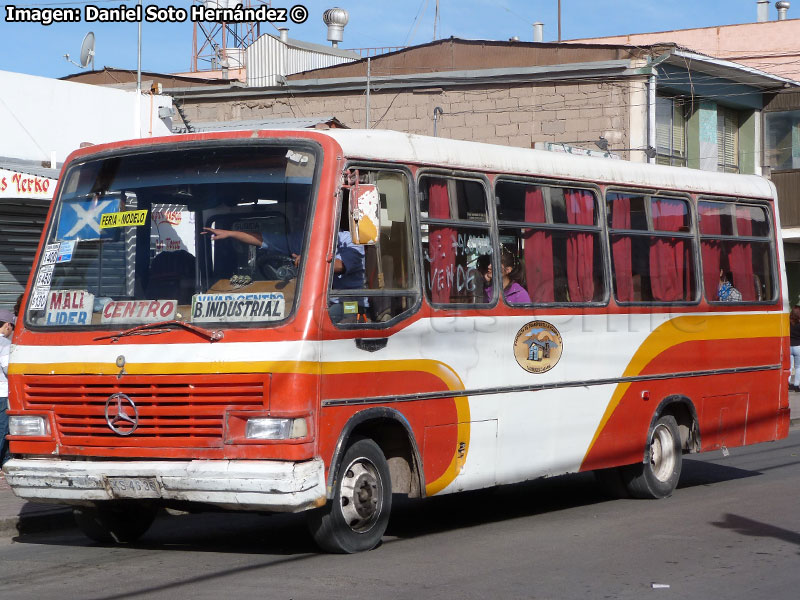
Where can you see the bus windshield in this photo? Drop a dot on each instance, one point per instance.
(210, 234)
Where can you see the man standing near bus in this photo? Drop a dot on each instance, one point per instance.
(7, 322)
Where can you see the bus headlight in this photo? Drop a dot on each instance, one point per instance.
(263, 428)
(28, 425)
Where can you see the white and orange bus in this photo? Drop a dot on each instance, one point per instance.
(305, 321)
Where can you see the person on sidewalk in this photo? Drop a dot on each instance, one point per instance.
(7, 322)
(794, 343)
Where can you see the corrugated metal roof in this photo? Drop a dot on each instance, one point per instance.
(27, 167)
(279, 123)
(268, 59)
(322, 49)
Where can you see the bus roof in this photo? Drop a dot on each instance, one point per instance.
(395, 146)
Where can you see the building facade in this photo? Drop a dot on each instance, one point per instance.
(659, 103)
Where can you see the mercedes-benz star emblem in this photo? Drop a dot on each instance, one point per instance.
(117, 417)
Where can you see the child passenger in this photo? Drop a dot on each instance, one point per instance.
(512, 272)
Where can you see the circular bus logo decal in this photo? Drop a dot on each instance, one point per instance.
(537, 346)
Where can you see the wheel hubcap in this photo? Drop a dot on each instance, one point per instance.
(361, 495)
(662, 453)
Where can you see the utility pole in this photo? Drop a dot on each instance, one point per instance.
(368, 86)
(559, 20)
(435, 20)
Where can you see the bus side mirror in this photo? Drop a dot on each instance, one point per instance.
(365, 214)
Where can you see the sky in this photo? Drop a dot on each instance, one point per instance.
(37, 49)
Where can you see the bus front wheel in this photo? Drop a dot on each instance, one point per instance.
(658, 475)
(356, 517)
(119, 523)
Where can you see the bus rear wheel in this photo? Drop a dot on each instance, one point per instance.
(112, 522)
(356, 517)
(657, 477)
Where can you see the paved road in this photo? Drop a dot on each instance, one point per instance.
(731, 531)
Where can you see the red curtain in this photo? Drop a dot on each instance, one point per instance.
(741, 257)
(440, 243)
(538, 250)
(667, 255)
(621, 248)
(580, 247)
(711, 250)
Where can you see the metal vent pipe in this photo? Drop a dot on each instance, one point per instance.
(284, 31)
(538, 32)
(763, 10)
(782, 8)
(335, 19)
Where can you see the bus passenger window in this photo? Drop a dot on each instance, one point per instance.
(455, 237)
(735, 242)
(373, 284)
(556, 235)
(652, 248)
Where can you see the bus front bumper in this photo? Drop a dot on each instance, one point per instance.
(278, 486)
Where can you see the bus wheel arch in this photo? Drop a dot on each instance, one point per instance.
(683, 410)
(390, 430)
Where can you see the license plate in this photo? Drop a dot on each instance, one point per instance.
(134, 487)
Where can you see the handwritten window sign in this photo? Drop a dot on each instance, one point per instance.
(50, 254)
(45, 275)
(80, 220)
(174, 226)
(139, 311)
(238, 308)
(69, 307)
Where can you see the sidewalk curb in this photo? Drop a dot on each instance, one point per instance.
(37, 520)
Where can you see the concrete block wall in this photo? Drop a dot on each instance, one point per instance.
(511, 114)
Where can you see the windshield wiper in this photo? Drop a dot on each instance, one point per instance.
(161, 327)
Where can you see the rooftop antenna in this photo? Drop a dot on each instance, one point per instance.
(87, 52)
(214, 40)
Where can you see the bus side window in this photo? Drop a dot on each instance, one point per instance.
(735, 248)
(652, 248)
(555, 232)
(455, 238)
(375, 283)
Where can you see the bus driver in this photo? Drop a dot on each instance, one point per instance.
(348, 266)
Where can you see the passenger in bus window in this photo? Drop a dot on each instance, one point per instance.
(512, 278)
(726, 291)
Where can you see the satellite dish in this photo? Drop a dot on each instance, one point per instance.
(87, 50)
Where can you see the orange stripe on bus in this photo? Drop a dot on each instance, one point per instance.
(691, 329)
(435, 368)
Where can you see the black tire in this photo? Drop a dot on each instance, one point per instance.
(120, 523)
(356, 517)
(658, 476)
